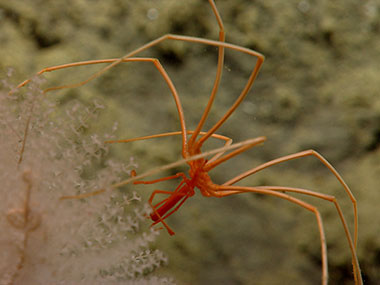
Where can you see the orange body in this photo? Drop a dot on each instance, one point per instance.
(160, 211)
(199, 179)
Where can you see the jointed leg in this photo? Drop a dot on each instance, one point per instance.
(220, 44)
(161, 219)
(211, 164)
(224, 191)
(299, 155)
(313, 153)
(113, 61)
(217, 79)
(128, 57)
(156, 217)
(228, 141)
(180, 174)
(154, 193)
(170, 231)
(249, 142)
(332, 199)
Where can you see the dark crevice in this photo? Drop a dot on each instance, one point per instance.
(375, 143)
(42, 40)
(171, 57)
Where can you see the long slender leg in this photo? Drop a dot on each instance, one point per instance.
(218, 76)
(299, 155)
(249, 142)
(154, 193)
(180, 174)
(231, 190)
(224, 191)
(168, 134)
(215, 162)
(239, 150)
(252, 77)
(154, 207)
(170, 231)
(332, 199)
(220, 44)
(244, 92)
(161, 219)
(156, 63)
(171, 193)
(341, 181)
(228, 141)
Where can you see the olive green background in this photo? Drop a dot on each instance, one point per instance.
(319, 88)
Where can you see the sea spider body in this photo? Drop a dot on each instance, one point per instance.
(199, 178)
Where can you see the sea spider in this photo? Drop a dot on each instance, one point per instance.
(192, 142)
